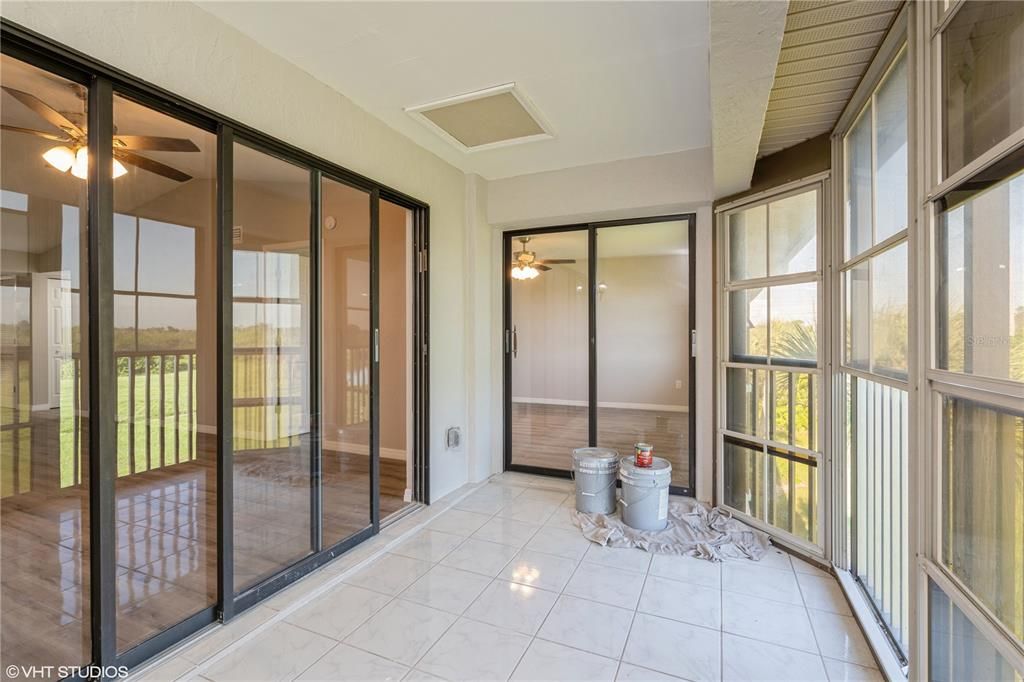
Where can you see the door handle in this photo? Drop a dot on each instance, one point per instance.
(515, 342)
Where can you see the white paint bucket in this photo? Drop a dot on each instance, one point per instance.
(644, 500)
(594, 470)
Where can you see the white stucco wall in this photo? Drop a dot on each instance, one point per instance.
(188, 51)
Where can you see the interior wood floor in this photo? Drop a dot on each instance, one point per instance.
(165, 537)
(546, 435)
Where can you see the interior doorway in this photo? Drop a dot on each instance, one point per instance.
(598, 343)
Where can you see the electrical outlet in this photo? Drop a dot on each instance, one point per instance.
(679, 384)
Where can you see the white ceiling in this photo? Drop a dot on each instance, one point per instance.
(615, 80)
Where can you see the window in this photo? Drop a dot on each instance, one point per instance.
(874, 281)
(974, 385)
(771, 377)
(983, 66)
(980, 306)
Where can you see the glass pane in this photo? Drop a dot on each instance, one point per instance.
(983, 59)
(44, 457)
(775, 488)
(166, 388)
(748, 325)
(794, 409)
(877, 425)
(957, 649)
(550, 350)
(891, 154)
(793, 229)
(345, 263)
(983, 504)
(981, 292)
(745, 396)
(890, 320)
(395, 319)
(271, 366)
(794, 328)
(857, 325)
(858, 186)
(748, 233)
(643, 358)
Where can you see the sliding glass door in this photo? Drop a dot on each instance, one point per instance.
(547, 348)
(597, 343)
(199, 371)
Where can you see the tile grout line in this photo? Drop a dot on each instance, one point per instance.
(336, 580)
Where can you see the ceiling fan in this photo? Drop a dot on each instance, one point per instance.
(525, 264)
(73, 154)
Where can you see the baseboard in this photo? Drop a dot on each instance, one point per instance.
(42, 406)
(651, 407)
(362, 449)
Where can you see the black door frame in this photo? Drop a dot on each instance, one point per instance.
(102, 81)
(507, 341)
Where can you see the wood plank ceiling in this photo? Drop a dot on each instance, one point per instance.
(826, 48)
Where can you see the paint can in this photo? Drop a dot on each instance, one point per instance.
(644, 502)
(643, 453)
(594, 470)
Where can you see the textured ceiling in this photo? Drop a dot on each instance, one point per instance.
(826, 48)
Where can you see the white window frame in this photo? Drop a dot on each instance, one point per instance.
(820, 182)
(928, 23)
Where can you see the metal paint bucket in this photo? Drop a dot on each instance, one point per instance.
(644, 502)
(594, 470)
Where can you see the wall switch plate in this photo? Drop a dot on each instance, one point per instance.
(679, 384)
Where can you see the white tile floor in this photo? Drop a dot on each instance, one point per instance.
(497, 584)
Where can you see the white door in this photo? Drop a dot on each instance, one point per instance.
(58, 304)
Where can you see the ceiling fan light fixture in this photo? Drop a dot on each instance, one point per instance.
(528, 272)
(60, 157)
(80, 168)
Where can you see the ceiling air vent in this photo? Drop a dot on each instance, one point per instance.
(485, 119)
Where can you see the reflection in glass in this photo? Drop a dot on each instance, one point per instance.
(748, 232)
(272, 451)
(395, 321)
(643, 358)
(776, 488)
(345, 339)
(890, 318)
(44, 457)
(549, 344)
(165, 317)
(857, 325)
(981, 294)
(983, 58)
(858, 199)
(793, 228)
(891, 180)
(983, 504)
(794, 322)
(748, 325)
(745, 400)
(958, 650)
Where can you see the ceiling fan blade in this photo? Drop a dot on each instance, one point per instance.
(542, 268)
(37, 133)
(155, 144)
(557, 261)
(150, 165)
(49, 114)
